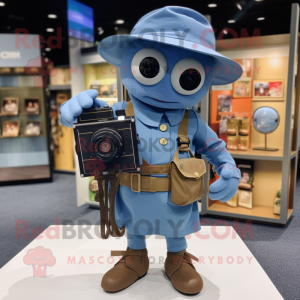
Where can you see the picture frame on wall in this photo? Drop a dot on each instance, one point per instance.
(242, 88)
(32, 106)
(10, 128)
(247, 66)
(10, 106)
(32, 128)
(268, 90)
(224, 106)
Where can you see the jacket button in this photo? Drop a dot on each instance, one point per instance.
(163, 127)
(197, 175)
(163, 141)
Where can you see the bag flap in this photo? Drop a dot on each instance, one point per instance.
(190, 167)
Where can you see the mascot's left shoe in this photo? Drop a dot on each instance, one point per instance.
(182, 273)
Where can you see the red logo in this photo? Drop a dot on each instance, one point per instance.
(41, 68)
(39, 258)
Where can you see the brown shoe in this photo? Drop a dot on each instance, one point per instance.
(132, 266)
(182, 273)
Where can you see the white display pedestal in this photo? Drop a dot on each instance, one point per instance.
(228, 269)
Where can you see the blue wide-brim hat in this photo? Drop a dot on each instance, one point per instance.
(175, 26)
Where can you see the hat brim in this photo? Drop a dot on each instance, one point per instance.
(225, 70)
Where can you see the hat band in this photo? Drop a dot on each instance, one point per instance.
(201, 39)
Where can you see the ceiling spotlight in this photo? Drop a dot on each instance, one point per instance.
(100, 31)
(260, 19)
(52, 16)
(212, 5)
(225, 31)
(2, 4)
(231, 21)
(120, 22)
(46, 59)
(49, 29)
(116, 28)
(239, 6)
(47, 49)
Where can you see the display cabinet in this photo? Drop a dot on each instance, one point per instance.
(24, 148)
(270, 63)
(59, 91)
(24, 139)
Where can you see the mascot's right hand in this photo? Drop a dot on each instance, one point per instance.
(72, 108)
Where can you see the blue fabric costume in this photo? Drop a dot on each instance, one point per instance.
(147, 213)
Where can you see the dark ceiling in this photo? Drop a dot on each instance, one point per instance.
(32, 15)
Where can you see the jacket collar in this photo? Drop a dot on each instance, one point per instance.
(152, 117)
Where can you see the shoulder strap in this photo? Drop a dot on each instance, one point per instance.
(129, 109)
(183, 140)
(182, 129)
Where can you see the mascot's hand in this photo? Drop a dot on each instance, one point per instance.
(71, 109)
(226, 186)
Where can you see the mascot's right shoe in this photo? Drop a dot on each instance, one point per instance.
(182, 273)
(132, 266)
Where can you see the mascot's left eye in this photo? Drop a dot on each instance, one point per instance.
(149, 66)
(188, 76)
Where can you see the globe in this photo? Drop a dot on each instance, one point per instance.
(265, 119)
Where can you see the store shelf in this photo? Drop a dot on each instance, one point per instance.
(92, 203)
(25, 173)
(259, 154)
(20, 136)
(59, 87)
(19, 114)
(290, 211)
(256, 211)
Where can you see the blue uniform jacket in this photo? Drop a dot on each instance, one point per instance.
(147, 213)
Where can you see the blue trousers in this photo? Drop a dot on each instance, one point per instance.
(138, 242)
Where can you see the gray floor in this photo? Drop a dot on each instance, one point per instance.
(277, 249)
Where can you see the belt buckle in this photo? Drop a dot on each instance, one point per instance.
(138, 180)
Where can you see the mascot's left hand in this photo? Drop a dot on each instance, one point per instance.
(226, 186)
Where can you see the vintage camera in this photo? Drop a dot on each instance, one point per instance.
(104, 143)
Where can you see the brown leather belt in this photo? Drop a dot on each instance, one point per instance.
(139, 183)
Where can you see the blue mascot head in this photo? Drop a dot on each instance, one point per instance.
(169, 59)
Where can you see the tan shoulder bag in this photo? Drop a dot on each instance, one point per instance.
(187, 180)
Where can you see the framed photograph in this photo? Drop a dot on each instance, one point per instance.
(223, 106)
(247, 66)
(10, 106)
(32, 128)
(242, 88)
(32, 106)
(245, 198)
(105, 90)
(268, 90)
(245, 183)
(10, 128)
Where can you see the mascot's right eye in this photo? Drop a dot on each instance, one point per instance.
(149, 66)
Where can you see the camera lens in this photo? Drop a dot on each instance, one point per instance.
(108, 143)
(105, 147)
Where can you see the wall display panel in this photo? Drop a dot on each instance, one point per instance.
(24, 149)
(274, 172)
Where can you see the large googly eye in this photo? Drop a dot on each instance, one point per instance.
(149, 66)
(188, 76)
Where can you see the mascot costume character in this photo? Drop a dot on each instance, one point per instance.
(167, 63)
